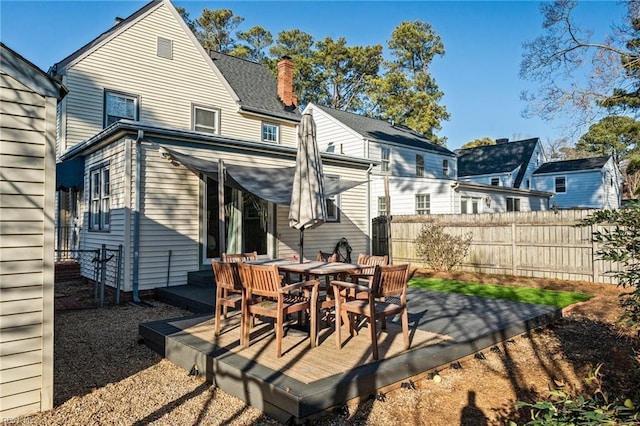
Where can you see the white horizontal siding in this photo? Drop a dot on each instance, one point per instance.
(584, 189)
(333, 136)
(403, 193)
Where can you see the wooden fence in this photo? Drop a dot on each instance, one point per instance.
(531, 244)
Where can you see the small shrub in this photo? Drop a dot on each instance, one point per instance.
(439, 250)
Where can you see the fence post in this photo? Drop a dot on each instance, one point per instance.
(103, 272)
(594, 263)
(119, 263)
(514, 268)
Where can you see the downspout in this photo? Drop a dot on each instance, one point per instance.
(136, 222)
(369, 227)
(454, 188)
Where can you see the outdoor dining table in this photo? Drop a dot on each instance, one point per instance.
(311, 267)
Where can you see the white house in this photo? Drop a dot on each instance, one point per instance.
(27, 204)
(145, 93)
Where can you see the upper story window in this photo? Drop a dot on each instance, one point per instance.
(333, 203)
(513, 204)
(270, 132)
(382, 206)
(385, 159)
(561, 184)
(495, 181)
(100, 208)
(528, 184)
(119, 106)
(205, 119)
(419, 165)
(445, 167)
(423, 203)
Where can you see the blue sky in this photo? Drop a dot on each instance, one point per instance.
(478, 74)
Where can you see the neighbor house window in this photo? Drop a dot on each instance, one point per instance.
(270, 132)
(118, 106)
(333, 203)
(100, 209)
(205, 119)
(382, 206)
(469, 205)
(495, 181)
(445, 167)
(561, 184)
(419, 165)
(385, 159)
(513, 204)
(423, 203)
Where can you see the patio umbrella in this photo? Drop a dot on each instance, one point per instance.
(307, 209)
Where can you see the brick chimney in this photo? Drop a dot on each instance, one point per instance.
(285, 82)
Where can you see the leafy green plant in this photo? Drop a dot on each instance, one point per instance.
(438, 249)
(619, 241)
(563, 408)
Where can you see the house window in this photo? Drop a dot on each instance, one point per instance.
(445, 167)
(205, 119)
(385, 159)
(423, 203)
(561, 184)
(470, 205)
(382, 206)
(270, 132)
(528, 184)
(419, 166)
(100, 210)
(513, 204)
(333, 203)
(495, 181)
(118, 106)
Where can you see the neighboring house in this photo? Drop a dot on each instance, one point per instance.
(472, 198)
(420, 173)
(28, 100)
(584, 183)
(146, 89)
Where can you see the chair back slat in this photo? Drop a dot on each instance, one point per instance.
(226, 275)
(240, 257)
(265, 280)
(368, 260)
(390, 280)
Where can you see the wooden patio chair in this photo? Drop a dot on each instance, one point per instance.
(229, 291)
(265, 296)
(388, 281)
(240, 257)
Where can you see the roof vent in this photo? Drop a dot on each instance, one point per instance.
(502, 140)
(117, 20)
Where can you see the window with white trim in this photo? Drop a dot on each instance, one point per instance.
(332, 203)
(445, 167)
(118, 106)
(423, 204)
(100, 207)
(385, 159)
(270, 132)
(561, 184)
(382, 206)
(470, 205)
(419, 165)
(205, 119)
(495, 181)
(513, 204)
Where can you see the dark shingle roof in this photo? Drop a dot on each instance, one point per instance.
(593, 163)
(382, 131)
(499, 158)
(255, 85)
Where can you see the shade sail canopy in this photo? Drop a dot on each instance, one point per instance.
(308, 207)
(273, 184)
(70, 174)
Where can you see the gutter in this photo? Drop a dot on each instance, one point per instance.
(136, 222)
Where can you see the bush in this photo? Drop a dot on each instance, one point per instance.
(439, 250)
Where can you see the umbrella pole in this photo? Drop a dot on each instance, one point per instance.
(301, 244)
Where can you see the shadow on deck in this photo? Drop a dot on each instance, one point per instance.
(304, 382)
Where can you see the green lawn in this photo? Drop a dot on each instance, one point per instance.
(559, 299)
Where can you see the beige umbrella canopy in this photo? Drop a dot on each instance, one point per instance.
(307, 209)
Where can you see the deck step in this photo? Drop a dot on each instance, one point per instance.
(195, 298)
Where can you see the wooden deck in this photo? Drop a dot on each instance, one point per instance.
(305, 381)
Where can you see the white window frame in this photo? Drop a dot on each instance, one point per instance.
(423, 204)
(385, 159)
(382, 206)
(100, 198)
(495, 181)
(564, 184)
(203, 128)
(515, 204)
(332, 203)
(445, 167)
(111, 94)
(263, 129)
(419, 165)
(474, 202)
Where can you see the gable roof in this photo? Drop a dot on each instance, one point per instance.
(255, 86)
(383, 132)
(499, 158)
(19, 68)
(593, 163)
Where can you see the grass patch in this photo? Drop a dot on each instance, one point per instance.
(559, 299)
